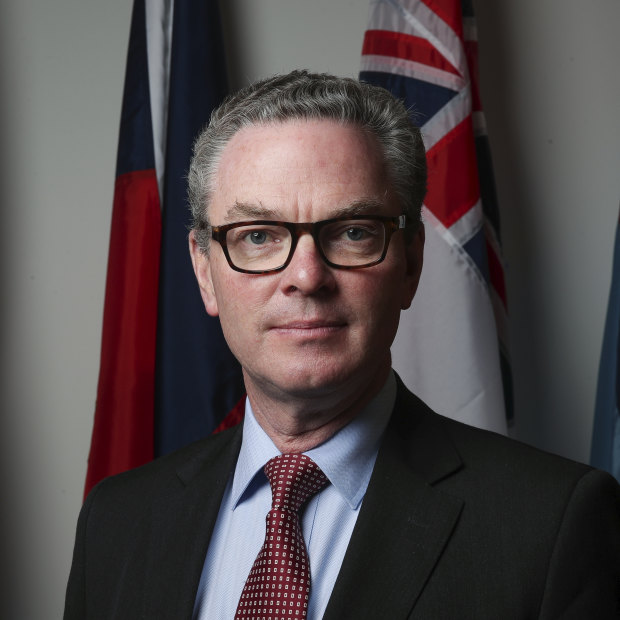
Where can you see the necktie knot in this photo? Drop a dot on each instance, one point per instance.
(294, 479)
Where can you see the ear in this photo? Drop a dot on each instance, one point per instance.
(202, 270)
(414, 252)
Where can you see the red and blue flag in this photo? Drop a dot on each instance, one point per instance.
(167, 376)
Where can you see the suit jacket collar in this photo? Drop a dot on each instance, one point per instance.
(405, 521)
(182, 524)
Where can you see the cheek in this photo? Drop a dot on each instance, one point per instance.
(380, 303)
(241, 303)
(236, 320)
(232, 301)
(228, 285)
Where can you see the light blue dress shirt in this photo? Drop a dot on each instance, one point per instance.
(327, 521)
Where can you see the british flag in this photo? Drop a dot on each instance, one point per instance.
(451, 347)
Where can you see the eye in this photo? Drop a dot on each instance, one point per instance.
(257, 237)
(355, 234)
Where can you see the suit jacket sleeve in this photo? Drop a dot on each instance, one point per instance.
(584, 572)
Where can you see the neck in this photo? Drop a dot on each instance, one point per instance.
(297, 424)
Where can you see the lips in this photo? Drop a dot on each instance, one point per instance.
(310, 329)
(312, 324)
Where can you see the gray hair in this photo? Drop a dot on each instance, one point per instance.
(311, 96)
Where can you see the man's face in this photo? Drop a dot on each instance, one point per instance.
(309, 331)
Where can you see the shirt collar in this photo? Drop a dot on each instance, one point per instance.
(347, 458)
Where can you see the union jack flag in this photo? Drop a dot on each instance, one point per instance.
(451, 347)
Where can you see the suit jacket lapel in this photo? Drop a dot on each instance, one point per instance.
(404, 523)
(180, 529)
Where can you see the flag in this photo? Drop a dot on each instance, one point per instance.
(606, 432)
(166, 374)
(451, 346)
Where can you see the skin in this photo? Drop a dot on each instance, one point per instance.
(313, 342)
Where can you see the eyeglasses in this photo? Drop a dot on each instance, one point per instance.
(264, 246)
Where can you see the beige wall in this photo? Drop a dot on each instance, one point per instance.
(550, 89)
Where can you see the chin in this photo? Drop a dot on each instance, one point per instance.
(319, 378)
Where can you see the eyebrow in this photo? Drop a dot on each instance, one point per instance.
(363, 206)
(244, 210)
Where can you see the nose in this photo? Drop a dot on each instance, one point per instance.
(307, 272)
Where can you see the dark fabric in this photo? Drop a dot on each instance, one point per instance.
(472, 525)
(197, 379)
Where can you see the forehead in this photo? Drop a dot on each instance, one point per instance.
(298, 170)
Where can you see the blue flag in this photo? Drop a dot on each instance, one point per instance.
(606, 432)
(197, 380)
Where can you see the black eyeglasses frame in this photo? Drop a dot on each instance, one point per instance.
(391, 225)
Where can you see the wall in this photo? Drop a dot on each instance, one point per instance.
(550, 90)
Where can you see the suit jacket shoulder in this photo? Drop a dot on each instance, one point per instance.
(463, 523)
(142, 536)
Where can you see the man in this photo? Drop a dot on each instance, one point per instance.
(306, 193)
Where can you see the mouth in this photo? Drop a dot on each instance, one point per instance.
(310, 329)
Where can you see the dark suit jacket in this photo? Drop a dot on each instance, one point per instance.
(456, 523)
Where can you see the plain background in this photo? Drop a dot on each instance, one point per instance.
(550, 87)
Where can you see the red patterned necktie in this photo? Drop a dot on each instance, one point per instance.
(278, 585)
